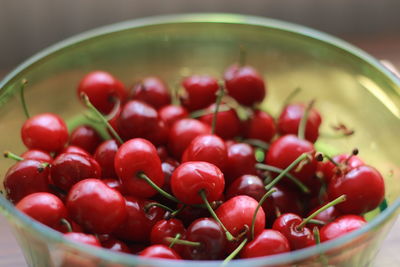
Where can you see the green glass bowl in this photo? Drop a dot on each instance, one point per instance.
(350, 87)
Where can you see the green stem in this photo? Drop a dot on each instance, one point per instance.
(88, 104)
(173, 241)
(178, 241)
(235, 252)
(220, 94)
(317, 236)
(229, 236)
(303, 122)
(67, 224)
(155, 204)
(143, 176)
(289, 98)
(256, 143)
(22, 96)
(203, 112)
(262, 200)
(318, 222)
(10, 155)
(338, 200)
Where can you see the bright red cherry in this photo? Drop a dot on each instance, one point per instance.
(105, 155)
(268, 242)
(134, 157)
(171, 113)
(200, 91)
(103, 90)
(83, 238)
(75, 150)
(363, 186)
(166, 228)
(227, 124)
(341, 226)
(241, 160)
(289, 121)
(153, 91)
(345, 162)
(95, 206)
(85, 137)
(26, 177)
(46, 131)
(38, 155)
(159, 251)
(190, 178)
(245, 85)
(43, 207)
(260, 126)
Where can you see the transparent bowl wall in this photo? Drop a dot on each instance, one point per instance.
(349, 86)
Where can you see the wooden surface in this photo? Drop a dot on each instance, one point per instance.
(382, 47)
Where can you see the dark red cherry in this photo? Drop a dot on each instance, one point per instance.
(245, 84)
(95, 206)
(289, 121)
(160, 134)
(115, 245)
(134, 157)
(46, 131)
(153, 91)
(241, 160)
(190, 178)
(85, 137)
(363, 186)
(38, 155)
(260, 126)
(75, 150)
(182, 133)
(45, 208)
(166, 228)
(103, 90)
(26, 177)
(200, 91)
(227, 124)
(249, 185)
(168, 167)
(105, 155)
(69, 168)
(83, 238)
(159, 251)
(342, 225)
(171, 113)
(268, 242)
(190, 213)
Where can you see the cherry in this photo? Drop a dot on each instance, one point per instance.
(209, 148)
(188, 214)
(260, 126)
(211, 237)
(241, 160)
(325, 216)
(75, 150)
(159, 251)
(95, 206)
(46, 131)
(290, 117)
(43, 207)
(245, 85)
(138, 223)
(341, 226)
(69, 168)
(268, 242)
(38, 155)
(83, 238)
(340, 164)
(114, 184)
(153, 91)
(182, 133)
(170, 114)
(66, 225)
(166, 228)
(85, 137)
(168, 167)
(200, 91)
(103, 90)
(363, 186)
(105, 155)
(160, 134)
(162, 153)
(249, 185)
(227, 122)
(138, 156)
(24, 178)
(190, 178)
(115, 245)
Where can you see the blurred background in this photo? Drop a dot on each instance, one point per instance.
(27, 26)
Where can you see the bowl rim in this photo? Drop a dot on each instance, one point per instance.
(226, 18)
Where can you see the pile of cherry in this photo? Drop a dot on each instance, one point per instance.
(213, 177)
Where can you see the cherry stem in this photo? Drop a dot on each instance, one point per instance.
(317, 236)
(10, 155)
(24, 82)
(235, 252)
(353, 153)
(43, 166)
(172, 243)
(178, 241)
(338, 200)
(143, 176)
(260, 203)
(220, 94)
(292, 178)
(155, 204)
(331, 160)
(67, 224)
(289, 98)
(256, 143)
(203, 196)
(88, 104)
(303, 122)
(318, 222)
(242, 55)
(203, 112)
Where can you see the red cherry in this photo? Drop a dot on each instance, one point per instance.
(168, 167)
(45, 131)
(341, 226)
(260, 126)
(325, 216)
(70, 168)
(245, 85)
(160, 134)
(114, 184)
(138, 156)
(363, 186)
(43, 207)
(138, 223)
(75, 150)
(159, 251)
(268, 242)
(95, 206)
(182, 133)
(83, 238)
(227, 122)
(105, 155)
(24, 178)
(62, 226)
(241, 160)
(190, 178)
(171, 113)
(289, 121)
(115, 245)
(166, 228)
(190, 213)
(249, 185)
(200, 91)
(153, 91)
(345, 162)
(162, 152)
(102, 89)
(38, 155)
(85, 137)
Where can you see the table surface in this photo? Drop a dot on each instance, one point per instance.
(382, 47)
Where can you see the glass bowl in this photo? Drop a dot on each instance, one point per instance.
(349, 85)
